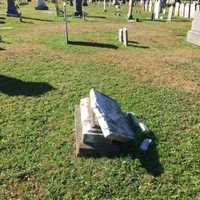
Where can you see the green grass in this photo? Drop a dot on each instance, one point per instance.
(37, 159)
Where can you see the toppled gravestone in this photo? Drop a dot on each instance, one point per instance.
(101, 125)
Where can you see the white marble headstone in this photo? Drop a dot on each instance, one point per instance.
(112, 120)
(181, 9)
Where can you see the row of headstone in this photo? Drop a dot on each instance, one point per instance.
(185, 10)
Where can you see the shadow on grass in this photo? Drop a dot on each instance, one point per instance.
(149, 160)
(97, 17)
(137, 45)
(2, 49)
(15, 87)
(93, 44)
(37, 19)
(2, 22)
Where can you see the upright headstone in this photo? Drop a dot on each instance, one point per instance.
(181, 9)
(193, 35)
(176, 10)
(187, 10)
(170, 12)
(41, 5)
(120, 35)
(150, 6)
(192, 10)
(77, 4)
(125, 37)
(156, 9)
(12, 9)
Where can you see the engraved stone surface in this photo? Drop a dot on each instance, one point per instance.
(193, 35)
(112, 120)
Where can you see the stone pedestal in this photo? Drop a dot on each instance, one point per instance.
(193, 35)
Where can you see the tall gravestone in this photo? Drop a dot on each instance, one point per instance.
(193, 35)
(12, 9)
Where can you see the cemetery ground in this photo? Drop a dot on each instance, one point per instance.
(42, 79)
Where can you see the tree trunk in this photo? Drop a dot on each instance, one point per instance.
(12, 9)
(78, 8)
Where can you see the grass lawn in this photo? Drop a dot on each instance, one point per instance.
(41, 80)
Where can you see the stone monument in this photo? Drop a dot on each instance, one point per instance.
(41, 5)
(193, 35)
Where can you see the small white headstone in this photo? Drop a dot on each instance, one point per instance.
(187, 8)
(120, 35)
(176, 11)
(125, 37)
(181, 9)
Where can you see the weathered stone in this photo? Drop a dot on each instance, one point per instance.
(83, 148)
(176, 10)
(112, 120)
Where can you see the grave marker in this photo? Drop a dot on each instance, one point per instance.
(176, 10)
(187, 9)
(181, 9)
(193, 35)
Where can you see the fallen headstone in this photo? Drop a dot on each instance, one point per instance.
(101, 127)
